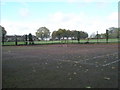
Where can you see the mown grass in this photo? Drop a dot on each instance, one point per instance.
(66, 41)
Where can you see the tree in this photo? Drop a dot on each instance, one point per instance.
(93, 35)
(83, 34)
(74, 34)
(43, 33)
(60, 33)
(113, 32)
(98, 36)
(103, 35)
(63, 33)
(54, 35)
(68, 34)
(4, 32)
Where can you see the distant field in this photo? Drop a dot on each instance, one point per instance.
(65, 41)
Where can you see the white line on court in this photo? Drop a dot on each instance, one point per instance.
(101, 56)
(84, 61)
(111, 63)
(81, 62)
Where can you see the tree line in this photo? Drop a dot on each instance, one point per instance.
(113, 32)
(74, 34)
(43, 33)
(60, 34)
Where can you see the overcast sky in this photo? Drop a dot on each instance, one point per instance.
(24, 17)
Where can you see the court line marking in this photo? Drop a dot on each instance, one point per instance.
(84, 61)
(92, 64)
(101, 56)
(111, 63)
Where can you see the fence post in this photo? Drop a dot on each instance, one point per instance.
(0, 36)
(107, 36)
(16, 40)
(3, 38)
(26, 39)
(118, 35)
(97, 36)
(30, 39)
(72, 39)
(78, 37)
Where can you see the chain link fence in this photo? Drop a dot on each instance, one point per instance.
(33, 40)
